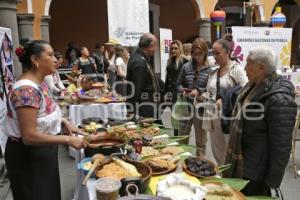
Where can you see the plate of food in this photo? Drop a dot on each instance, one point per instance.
(152, 131)
(221, 191)
(121, 168)
(86, 97)
(88, 120)
(177, 187)
(200, 167)
(98, 85)
(103, 100)
(162, 164)
(172, 150)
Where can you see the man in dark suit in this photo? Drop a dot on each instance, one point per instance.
(143, 87)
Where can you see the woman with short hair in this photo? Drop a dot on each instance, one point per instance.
(261, 133)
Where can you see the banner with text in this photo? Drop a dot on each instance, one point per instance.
(127, 20)
(6, 77)
(165, 42)
(280, 39)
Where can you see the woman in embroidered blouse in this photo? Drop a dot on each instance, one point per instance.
(34, 120)
(225, 76)
(53, 81)
(85, 63)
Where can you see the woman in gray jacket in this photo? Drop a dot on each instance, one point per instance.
(192, 82)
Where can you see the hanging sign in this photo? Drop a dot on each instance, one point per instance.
(127, 20)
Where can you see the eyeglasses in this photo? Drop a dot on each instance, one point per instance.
(174, 48)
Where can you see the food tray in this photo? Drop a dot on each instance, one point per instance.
(237, 195)
(196, 175)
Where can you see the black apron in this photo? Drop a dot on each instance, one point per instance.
(33, 171)
(86, 68)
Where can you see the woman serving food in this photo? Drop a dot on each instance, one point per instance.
(34, 120)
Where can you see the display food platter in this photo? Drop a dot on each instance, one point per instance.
(236, 195)
(98, 85)
(202, 167)
(87, 97)
(161, 164)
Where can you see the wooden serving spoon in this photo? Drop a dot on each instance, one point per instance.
(97, 160)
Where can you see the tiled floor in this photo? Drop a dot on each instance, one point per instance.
(290, 185)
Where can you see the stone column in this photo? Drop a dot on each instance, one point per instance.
(25, 24)
(247, 17)
(204, 25)
(8, 19)
(155, 30)
(262, 24)
(45, 28)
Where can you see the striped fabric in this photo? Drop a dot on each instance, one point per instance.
(189, 78)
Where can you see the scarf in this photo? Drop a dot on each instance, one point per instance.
(234, 155)
(154, 82)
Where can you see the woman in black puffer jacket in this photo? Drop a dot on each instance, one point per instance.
(261, 134)
(175, 63)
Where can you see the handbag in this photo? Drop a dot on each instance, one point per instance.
(229, 97)
(179, 111)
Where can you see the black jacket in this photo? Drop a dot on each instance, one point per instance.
(229, 97)
(140, 76)
(173, 71)
(266, 142)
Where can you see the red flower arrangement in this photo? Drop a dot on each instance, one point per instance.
(19, 51)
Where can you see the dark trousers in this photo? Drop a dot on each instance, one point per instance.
(256, 188)
(33, 171)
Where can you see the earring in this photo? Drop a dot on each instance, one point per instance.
(37, 65)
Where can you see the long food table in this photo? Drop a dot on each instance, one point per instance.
(81, 111)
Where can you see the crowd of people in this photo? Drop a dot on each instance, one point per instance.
(249, 113)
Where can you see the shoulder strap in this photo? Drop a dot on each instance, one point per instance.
(232, 77)
(154, 81)
(218, 85)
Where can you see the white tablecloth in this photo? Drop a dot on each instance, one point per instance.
(105, 111)
(82, 111)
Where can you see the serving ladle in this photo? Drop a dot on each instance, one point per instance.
(97, 160)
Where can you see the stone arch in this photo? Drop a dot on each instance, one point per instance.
(205, 7)
(85, 25)
(29, 6)
(47, 7)
(295, 57)
(178, 19)
(185, 20)
(265, 9)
